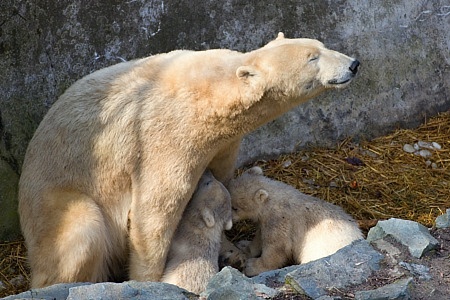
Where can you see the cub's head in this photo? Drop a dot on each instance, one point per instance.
(212, 199)
(297, 68)
(248, 195)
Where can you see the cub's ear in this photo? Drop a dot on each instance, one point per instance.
(255, 171)
(252, 87)
(229, 224)
(280, 36)
(261, 195)
(208, 217)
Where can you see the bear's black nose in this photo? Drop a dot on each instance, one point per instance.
(354, 66)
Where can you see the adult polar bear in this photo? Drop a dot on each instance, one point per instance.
(111, 167)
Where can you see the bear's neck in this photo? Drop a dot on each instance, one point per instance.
(236, 121)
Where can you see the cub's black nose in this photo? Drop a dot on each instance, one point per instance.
(354, 66)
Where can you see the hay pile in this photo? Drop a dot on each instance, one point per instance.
(14, 273)
(377, 179)
(371, 181)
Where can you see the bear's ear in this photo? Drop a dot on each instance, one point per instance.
(280, 36)
(255, 171)
(228, 224)
(253, 87)
(208, 217)
(261, 195)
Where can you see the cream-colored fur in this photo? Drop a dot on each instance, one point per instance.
(131, 141)
(292, 227)
(194, 251)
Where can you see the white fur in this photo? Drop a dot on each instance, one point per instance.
(194, 252)
(292, 227)
(131, 141)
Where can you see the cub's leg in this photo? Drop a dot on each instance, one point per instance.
(72, 244)
(230, 255)
(272, 257)
(254, 247)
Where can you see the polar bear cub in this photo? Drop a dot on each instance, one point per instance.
(293, 227)
(194, 251)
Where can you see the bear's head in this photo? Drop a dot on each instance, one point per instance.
(213, 201)
(248, 195)
(298, 69)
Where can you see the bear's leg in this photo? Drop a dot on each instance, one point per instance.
(224, 163)
(156, 209)
(73, 242)
(223, 166)
(272, 257)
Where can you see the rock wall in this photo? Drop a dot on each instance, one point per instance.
(46, 45)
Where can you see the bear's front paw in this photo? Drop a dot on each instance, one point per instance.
(233, 258)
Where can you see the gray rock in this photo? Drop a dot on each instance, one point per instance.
(391, 257)
(129, 290)
(2, 286)
(54, 292)
(425, 145)
(421, 271)
(436, 146)
(229, 283)
(18, 280)
(425, 153)
(388, 248)
(400, 290)
(349, 266)
(274, 277)
(409, 233)
(265, 292)
(408, 148)
(443, 221)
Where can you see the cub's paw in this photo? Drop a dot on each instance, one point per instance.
(252, 267)
(233, 258)
(242, 245)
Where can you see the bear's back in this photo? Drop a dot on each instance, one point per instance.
(289, 201)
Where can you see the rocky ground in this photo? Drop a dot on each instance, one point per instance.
(388, 267)
(432, 285)
(430, 274)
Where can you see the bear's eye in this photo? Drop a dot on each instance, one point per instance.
(234, 208)
(313, 58)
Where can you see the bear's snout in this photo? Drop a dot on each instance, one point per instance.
(354, 66)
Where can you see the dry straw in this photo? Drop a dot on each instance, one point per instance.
(377, 179)
(372, 181)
